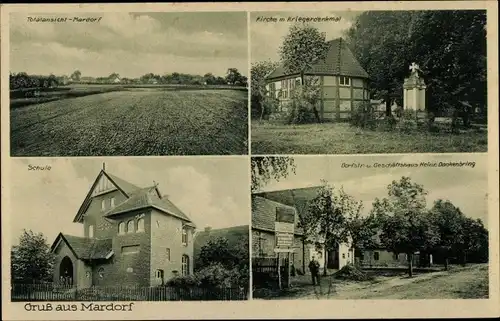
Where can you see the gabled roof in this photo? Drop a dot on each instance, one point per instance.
(143, 198)
(233, 235)
(136, 198)
(339, 61)
(123, 186)
(85, 248)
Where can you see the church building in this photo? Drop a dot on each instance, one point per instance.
(343, 83)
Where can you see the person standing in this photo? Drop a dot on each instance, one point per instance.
(314, 269)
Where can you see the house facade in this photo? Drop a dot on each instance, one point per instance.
(265, 206)
(132, 236)
(343, 83)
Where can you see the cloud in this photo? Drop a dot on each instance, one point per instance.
(125, 43)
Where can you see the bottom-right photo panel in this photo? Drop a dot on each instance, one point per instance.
(370, 227)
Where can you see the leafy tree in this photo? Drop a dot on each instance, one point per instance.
(76, 75)
(381, 41)
(31, 260)
(449, 220)
(474, 241)
(329, 214)
(233, 77)
(265, 168)
(209, 78)
(405, 225)
(302, 47)
(258, 72)
(448, 45)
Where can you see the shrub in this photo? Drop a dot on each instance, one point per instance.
(184, 281)
(363, 116)
(299, 111)
(268, 106)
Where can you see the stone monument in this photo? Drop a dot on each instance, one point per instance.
(414, 90)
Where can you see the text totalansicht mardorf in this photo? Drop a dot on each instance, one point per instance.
(63, 19)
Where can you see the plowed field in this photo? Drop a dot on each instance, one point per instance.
(134, 122)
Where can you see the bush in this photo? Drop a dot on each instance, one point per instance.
(408, 122)
(363, 116)
(299, 111)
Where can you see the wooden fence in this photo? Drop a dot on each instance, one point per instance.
(265, 272)
(53, 292)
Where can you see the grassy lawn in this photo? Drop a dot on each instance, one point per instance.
(470, 282)
(341, 138)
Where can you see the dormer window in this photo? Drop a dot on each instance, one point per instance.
(112, 202)
(184, 236)
(130, 226)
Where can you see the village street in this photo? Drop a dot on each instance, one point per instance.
(470, 282)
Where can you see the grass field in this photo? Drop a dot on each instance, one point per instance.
(469, 282)
(341, 138)
(134, 122)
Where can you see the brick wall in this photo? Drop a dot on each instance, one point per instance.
(103, 227)
(166, 232)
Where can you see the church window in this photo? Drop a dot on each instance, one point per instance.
(91, 231)
(103, 204)
(112, 202)
(168, 254)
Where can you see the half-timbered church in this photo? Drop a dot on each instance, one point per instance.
(132, 236)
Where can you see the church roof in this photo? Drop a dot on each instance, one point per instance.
(339, 61)
(85, 248)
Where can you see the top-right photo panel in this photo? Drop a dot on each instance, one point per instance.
(369, 82)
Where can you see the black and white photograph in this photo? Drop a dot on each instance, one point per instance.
(368, 82)
(130, 230)
(128, 84)
(363, 227)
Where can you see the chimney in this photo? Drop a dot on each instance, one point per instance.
(208, 229)
(104, 166)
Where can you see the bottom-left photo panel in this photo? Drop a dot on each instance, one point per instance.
(129, 229)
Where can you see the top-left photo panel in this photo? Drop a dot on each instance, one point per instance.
(128, 84)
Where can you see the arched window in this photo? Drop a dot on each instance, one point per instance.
(140, 225)
(185, 265)
(91, 231)
(121, 228)
(130, 226)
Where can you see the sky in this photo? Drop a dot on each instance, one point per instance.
(212, 191)
(131, 44)
(266, 37)
(465, 187)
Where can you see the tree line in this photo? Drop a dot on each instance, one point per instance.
(399, 222)
(233, 78)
